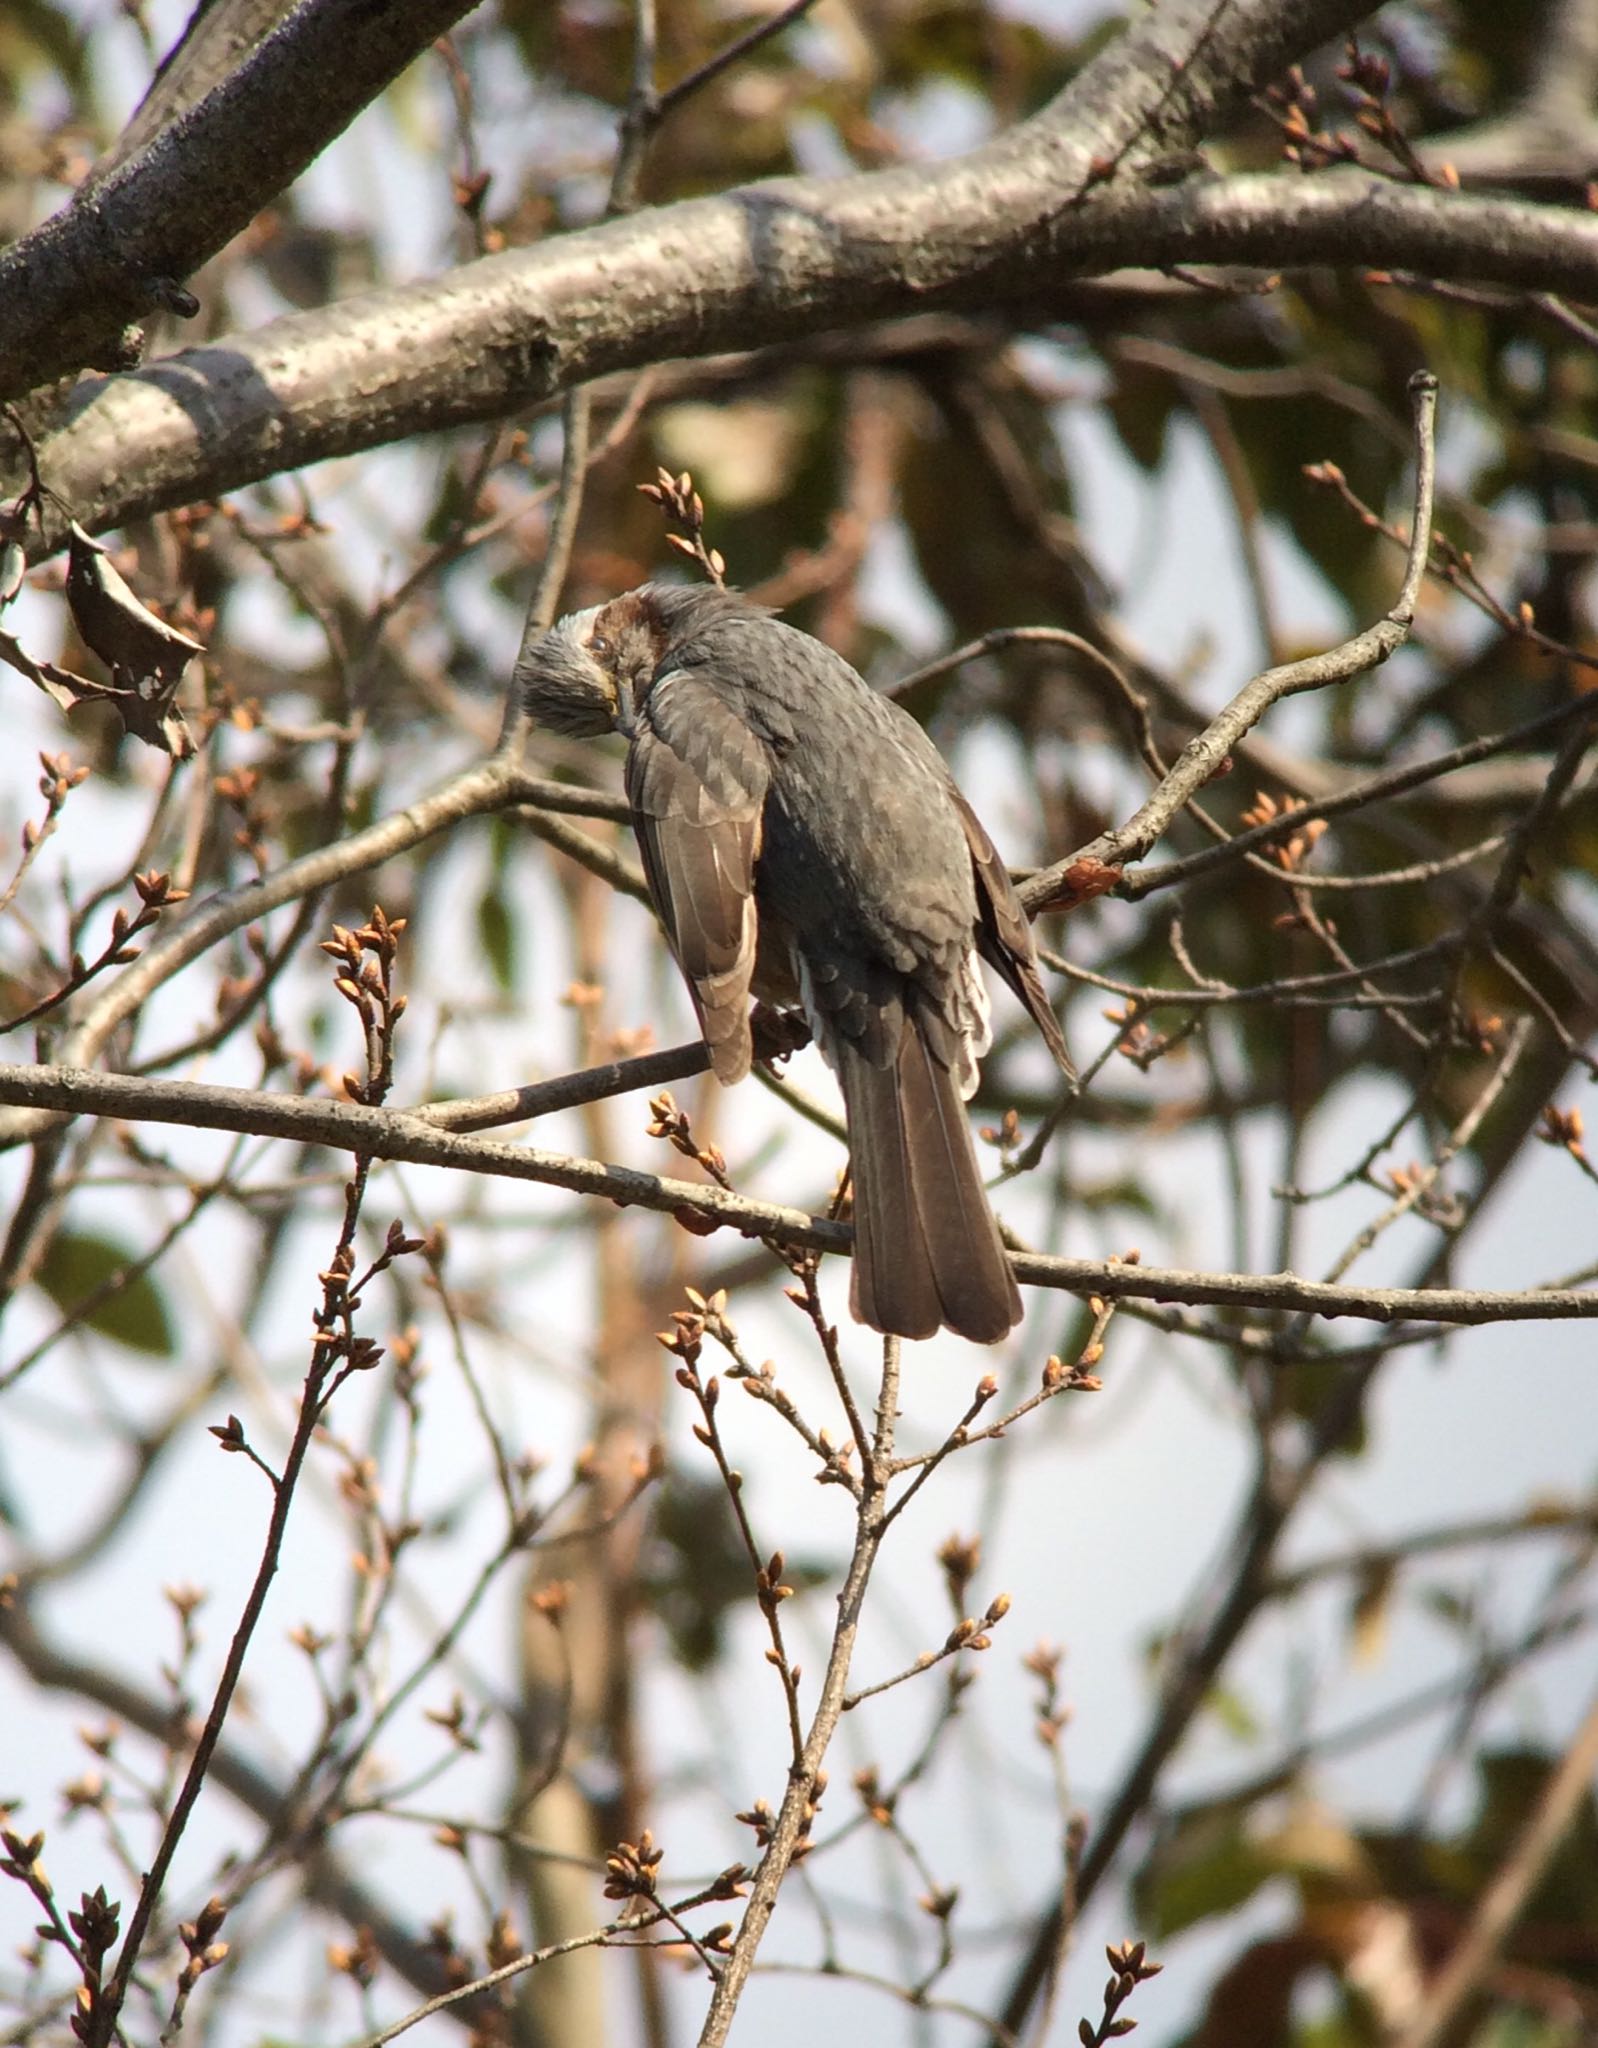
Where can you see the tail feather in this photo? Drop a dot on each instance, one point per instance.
(927, 1250)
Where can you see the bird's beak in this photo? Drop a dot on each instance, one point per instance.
(624, 710)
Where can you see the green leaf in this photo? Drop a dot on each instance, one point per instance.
(1309, 1387)
(1139, 407)
(1369, 1610)
(1233, 1712)
(1205, 1866)
(81, 1272)
(497, 937)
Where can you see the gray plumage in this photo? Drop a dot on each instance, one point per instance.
(805, 843)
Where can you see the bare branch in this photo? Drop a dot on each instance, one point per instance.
(798, 1807)
(598, 1937)
(401, 1135)
(1372, 789)
(490, 786)
(734, 53)
(590, 1084)
(1202, 758)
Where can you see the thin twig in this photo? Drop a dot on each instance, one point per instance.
(569, 1091)
(574, 419)
(1127, 693)
(104, 2021)
(766, 1568)
(637, 125)
(1202, 758)
(1358, 796)
(1418, 1185)
(739, 48)
(488, 786)
(599, 1937)
(798, 1804)
(1378, 1561)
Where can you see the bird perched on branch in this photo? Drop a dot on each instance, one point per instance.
(805, 844)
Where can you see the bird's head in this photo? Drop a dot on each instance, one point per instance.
(587, 673)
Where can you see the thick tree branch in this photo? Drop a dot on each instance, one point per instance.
(75, 285)
(789, 258)
(409, 1136)
(1350, 218)
(772, 264)
(216, 40)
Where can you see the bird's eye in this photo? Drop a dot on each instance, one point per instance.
(599, 644)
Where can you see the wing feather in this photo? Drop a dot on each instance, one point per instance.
(1004, 935)
(696, 780)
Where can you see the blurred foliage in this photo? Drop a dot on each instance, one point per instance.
(1375, 1911)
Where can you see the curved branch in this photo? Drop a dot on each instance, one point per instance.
(1202, 758)
(491, 785)
(1352, 218)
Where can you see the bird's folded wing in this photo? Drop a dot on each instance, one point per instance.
(696, 780)
(1004, 934)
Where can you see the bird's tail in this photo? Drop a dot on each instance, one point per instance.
(927, 1250)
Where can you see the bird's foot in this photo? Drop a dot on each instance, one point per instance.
(776, 1034)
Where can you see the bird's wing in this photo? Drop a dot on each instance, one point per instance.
(696, 780)
(1004, 936)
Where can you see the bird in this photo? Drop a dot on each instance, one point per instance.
(805, 846)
